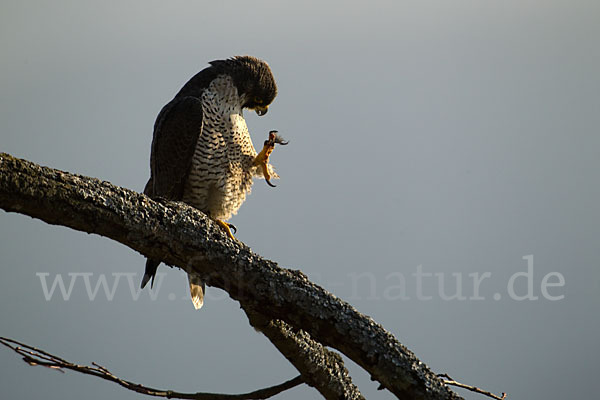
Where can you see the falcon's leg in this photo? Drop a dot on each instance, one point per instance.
(227, 228)
(262, 159)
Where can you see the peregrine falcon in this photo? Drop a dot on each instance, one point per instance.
(202, 153)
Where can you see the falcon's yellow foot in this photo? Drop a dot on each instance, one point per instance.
(262, 159)
(227, 228)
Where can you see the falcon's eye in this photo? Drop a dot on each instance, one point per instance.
(258, 100)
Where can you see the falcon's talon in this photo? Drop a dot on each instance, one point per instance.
(277, 139)
(269, 183)
(232, 227)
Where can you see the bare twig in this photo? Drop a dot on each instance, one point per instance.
(449, 381)
(35, 356)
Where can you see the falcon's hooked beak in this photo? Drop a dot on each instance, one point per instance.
(261, 110)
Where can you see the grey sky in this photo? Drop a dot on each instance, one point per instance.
(459, 136)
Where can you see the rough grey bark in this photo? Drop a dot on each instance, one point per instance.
(186, 238)
(319, 367)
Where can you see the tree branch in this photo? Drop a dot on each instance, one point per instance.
(184, 237)
(34, 356)
(320, 368)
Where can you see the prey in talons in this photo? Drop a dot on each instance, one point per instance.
(262, 159)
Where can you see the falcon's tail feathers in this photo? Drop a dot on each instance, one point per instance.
(197, 288)
(150, 272)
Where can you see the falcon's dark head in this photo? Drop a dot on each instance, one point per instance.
(253, 79)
